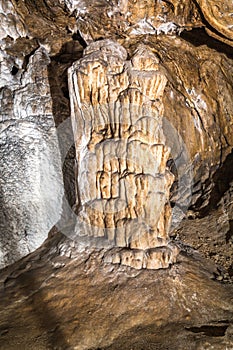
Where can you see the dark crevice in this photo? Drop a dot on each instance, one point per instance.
(68, 31)
(175, 186)
(77, 36)
(199, 37)
(230, 270)
(211, 28)
(221, 180)
(65, 92)
(209, 331)
(70, 52)
(58, 80)
(100, 38)
(14, 70)
(27, 57)
(229, 234)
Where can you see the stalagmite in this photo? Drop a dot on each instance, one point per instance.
(123, 180)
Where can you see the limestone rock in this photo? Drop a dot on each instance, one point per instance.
(123, 181)
(129, 17)
(197, 118)
(31, 182)
(152, 259)
(68, 294)
(212, 234)
(219, 16)
(12, 24)
(50, 301)
(196, 99)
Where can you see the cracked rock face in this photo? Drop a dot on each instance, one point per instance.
(123, 180)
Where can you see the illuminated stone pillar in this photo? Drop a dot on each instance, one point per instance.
(123, 181)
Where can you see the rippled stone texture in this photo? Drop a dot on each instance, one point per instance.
(129, 17)
(123, 180)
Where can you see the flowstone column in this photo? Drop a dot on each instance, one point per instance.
(122, 180)
(31, 187)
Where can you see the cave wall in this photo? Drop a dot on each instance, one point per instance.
(40, 41)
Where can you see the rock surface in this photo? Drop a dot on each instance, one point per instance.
(128, 17)
(196, 105)
(31, 181)
(51, 301)
(117, 113)
(212, 234)
(78, 294)
(219, 16)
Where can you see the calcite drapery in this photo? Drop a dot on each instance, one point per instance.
(123, 181)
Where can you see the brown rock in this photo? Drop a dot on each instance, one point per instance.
(129, 17)
(89, 304)
(218, 14)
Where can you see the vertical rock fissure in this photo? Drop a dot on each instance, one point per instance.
(222, 180)
(58, 79)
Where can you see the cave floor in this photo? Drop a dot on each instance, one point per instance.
(51, 301)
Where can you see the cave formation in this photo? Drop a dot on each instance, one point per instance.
(116, 186)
